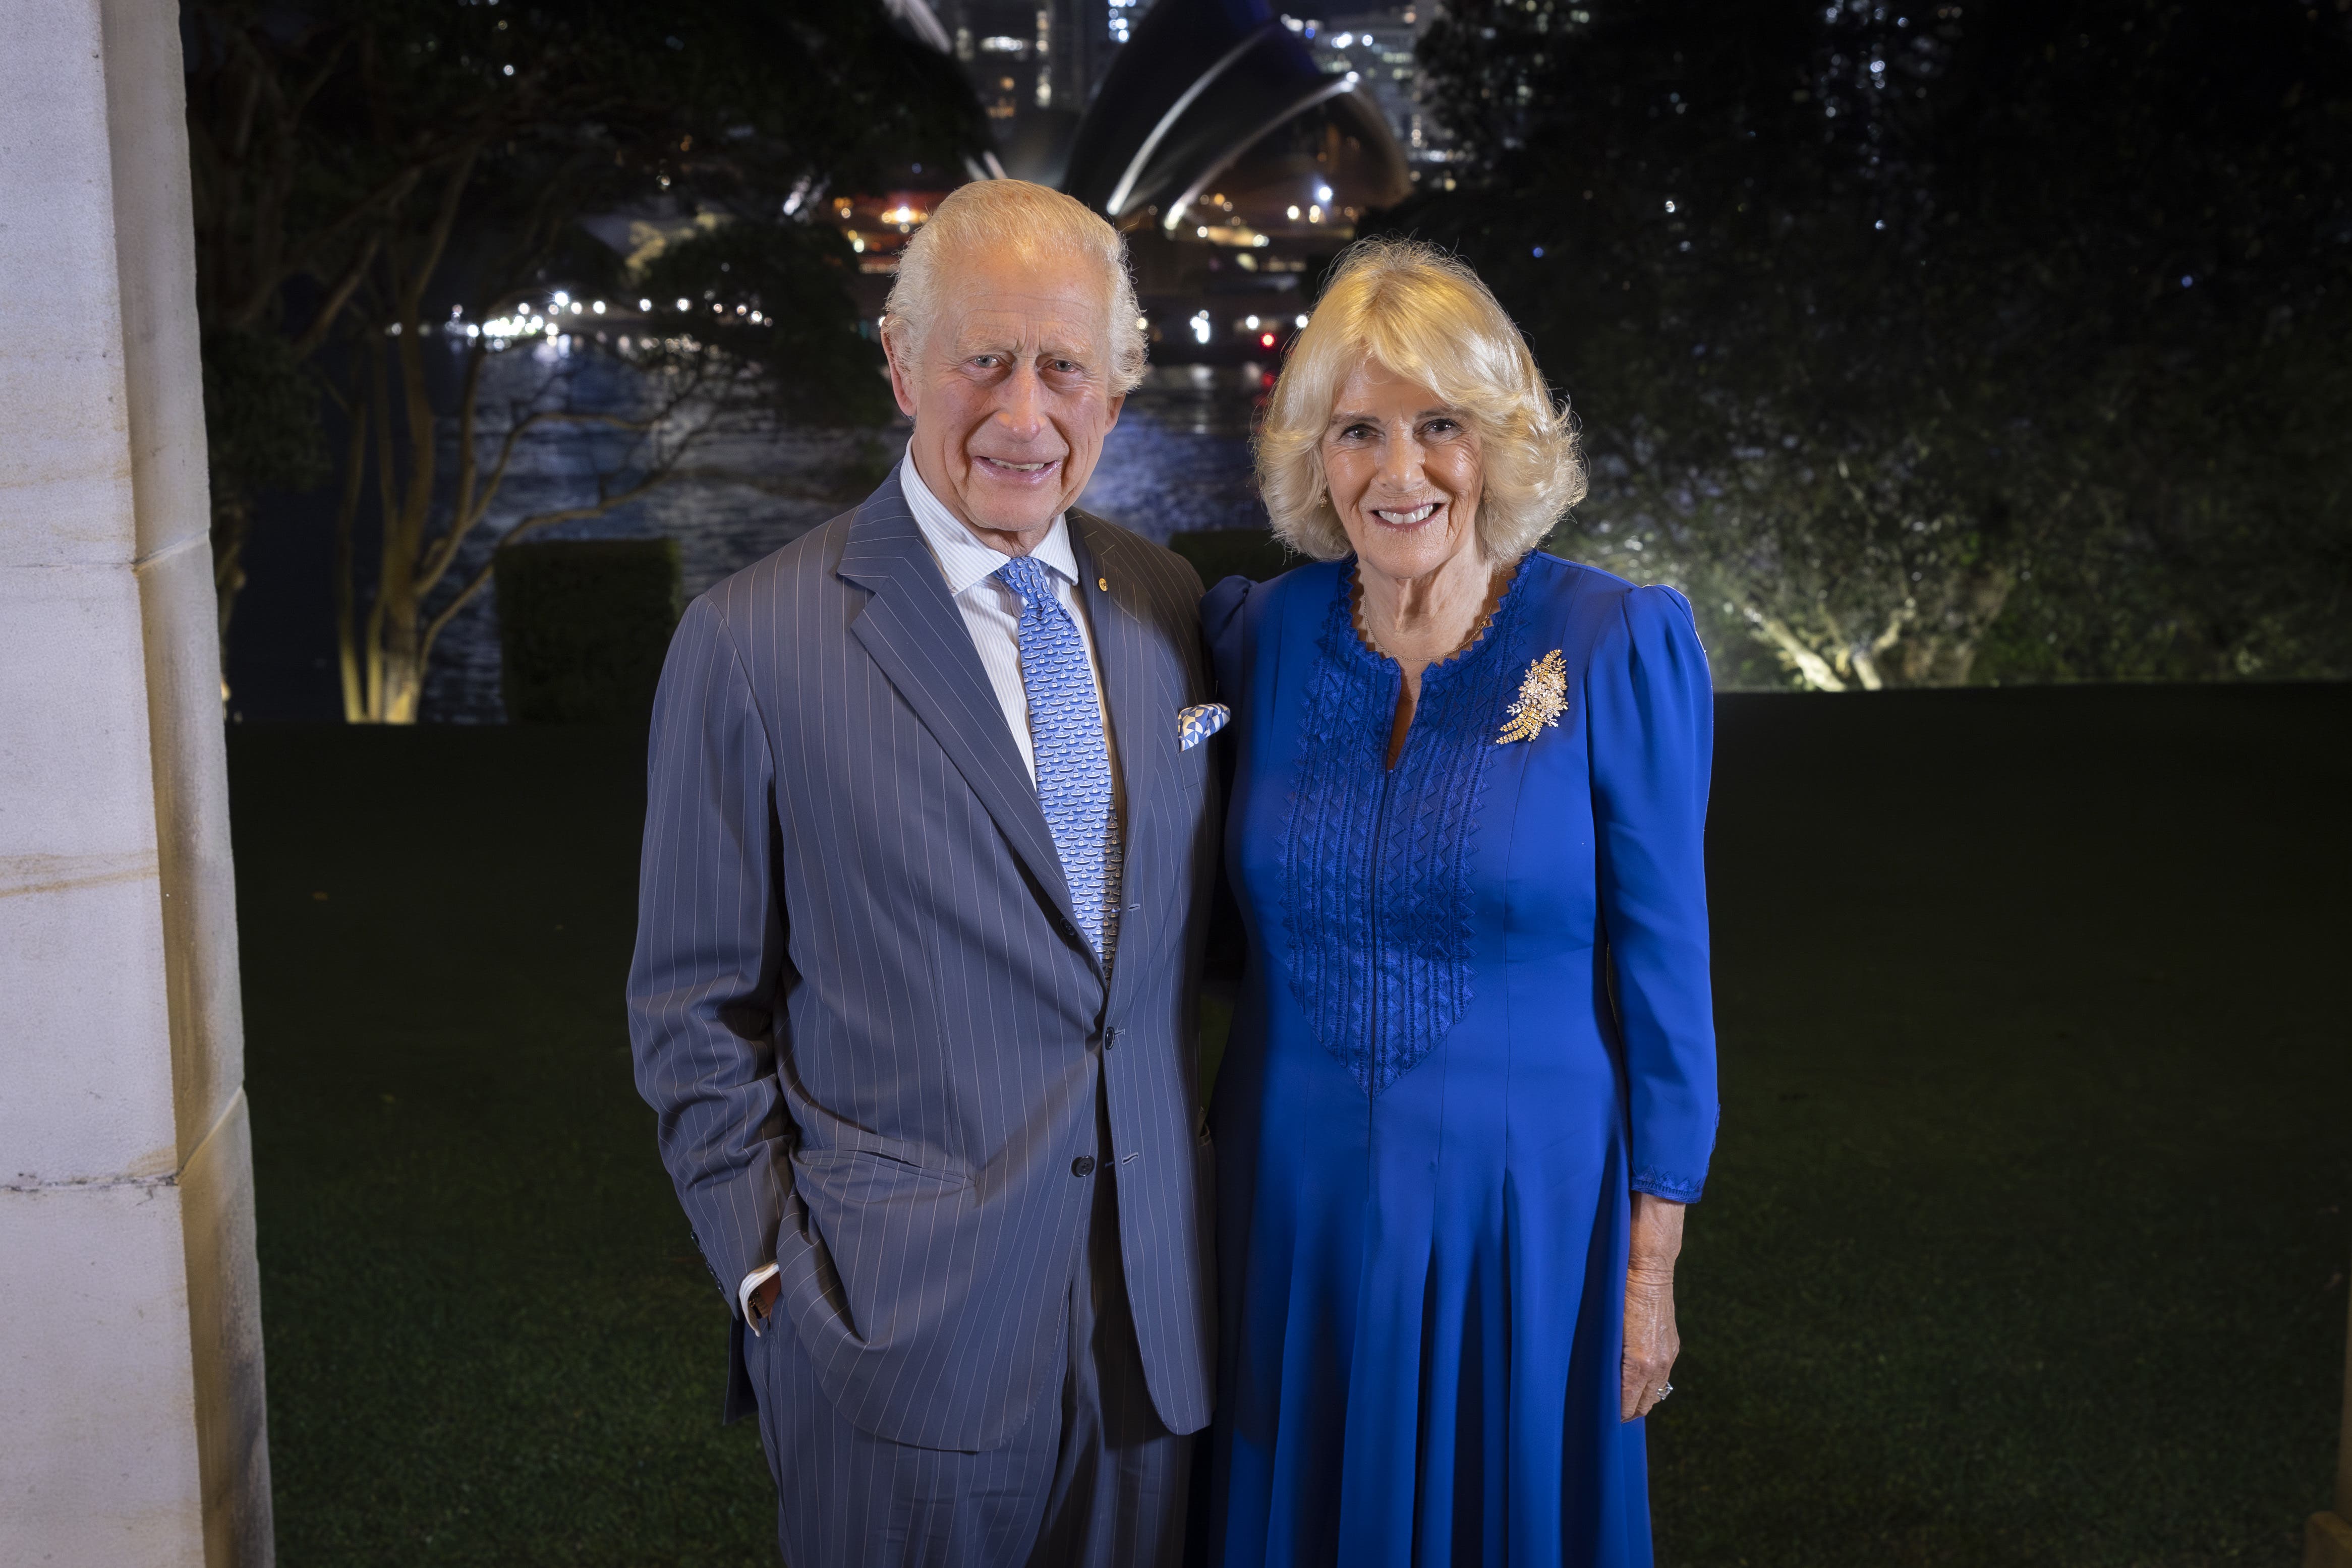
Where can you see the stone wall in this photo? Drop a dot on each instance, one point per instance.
(2327, 1537)
(132, 1427)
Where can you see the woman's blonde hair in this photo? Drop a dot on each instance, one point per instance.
(1018, 218)
(1420, 314)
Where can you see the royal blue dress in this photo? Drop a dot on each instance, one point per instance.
(1475, 1017)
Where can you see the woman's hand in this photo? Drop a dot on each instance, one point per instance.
(1651, 1341)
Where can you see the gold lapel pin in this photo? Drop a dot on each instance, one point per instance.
(1103, 583)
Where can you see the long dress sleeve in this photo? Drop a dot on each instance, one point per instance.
(703, 985)
(1651, 711)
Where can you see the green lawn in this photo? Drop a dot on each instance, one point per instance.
(2025, 1243)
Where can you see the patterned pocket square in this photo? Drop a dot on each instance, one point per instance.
(1195, 725)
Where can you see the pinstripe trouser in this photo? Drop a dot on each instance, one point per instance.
(1091, 1480)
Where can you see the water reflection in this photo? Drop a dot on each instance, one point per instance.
(1178, 457)
(1177, 460)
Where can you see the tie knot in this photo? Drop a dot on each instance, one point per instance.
(1027, 577)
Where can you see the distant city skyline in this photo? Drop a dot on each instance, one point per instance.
(1027, 56)
(1377, 43)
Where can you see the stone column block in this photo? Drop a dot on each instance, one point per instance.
(2327, 1537)
(131, 1414)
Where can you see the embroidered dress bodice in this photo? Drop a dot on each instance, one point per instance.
(1377, 898)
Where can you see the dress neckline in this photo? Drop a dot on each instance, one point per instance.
(1482, 639)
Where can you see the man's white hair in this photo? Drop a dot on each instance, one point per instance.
(1013, 217)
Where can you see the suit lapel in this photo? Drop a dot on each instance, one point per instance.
(913, 631)
(1145, 734)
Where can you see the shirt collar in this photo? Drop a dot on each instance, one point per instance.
(963, 559)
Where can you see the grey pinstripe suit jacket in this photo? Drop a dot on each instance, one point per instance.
(859, 1004)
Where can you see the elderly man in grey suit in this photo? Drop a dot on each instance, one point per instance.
(927, 861)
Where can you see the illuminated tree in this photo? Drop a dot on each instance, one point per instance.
(1889, 322)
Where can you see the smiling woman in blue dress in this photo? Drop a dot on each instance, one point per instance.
(1471, 1084)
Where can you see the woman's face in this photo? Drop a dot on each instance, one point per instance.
(1404, 473)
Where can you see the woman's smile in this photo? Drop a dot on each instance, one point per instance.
(1408, 517)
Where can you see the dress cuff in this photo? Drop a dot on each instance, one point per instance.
(1668, 1186)
(752, 1282)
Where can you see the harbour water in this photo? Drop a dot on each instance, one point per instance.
(1177, 460)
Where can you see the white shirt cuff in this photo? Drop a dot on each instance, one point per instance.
(752, 1282)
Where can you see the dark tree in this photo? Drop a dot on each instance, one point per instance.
(1907, 332)
(370, 171)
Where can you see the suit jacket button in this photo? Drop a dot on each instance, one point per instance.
(1083, 1165)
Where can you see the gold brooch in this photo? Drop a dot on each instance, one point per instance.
(1543, 697)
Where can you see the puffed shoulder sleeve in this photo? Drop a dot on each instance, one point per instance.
(1220, 626)
(1650, 706)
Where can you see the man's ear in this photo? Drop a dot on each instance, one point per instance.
(902, 379)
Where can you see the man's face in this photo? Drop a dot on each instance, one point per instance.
(1010, 392)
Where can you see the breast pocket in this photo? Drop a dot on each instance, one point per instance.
(1192, 767)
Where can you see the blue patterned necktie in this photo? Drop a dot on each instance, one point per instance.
(1066, 732)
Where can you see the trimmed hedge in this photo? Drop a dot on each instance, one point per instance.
(584, 626)
(1219, 553)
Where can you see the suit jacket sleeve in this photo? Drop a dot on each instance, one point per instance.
(705, 984)
(1652, 714)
